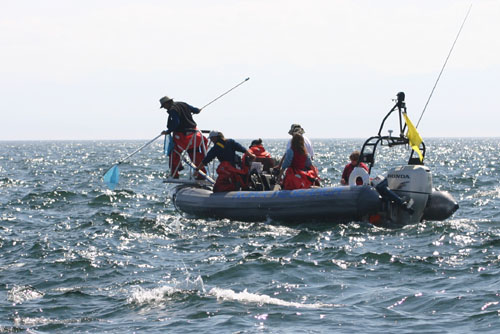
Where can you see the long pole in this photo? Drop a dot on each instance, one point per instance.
(444, 65)
(140, 148)
(112, 175)
(241, 83)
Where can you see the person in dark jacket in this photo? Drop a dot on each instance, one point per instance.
(184, 134)
(229, 176)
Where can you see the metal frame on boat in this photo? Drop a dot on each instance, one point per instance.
(370, 145)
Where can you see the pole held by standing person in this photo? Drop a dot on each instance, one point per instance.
(112, 175)
(209, 103)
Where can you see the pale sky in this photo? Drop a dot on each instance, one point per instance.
(95, 69)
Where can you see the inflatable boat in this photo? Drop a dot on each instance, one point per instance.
(404, 196)
(319, 204)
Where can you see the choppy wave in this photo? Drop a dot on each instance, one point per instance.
(20, 294)
(246, 297)
(156, 295)
(162, 294)
(78, 257)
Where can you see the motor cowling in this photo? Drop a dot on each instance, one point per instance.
(413, 183)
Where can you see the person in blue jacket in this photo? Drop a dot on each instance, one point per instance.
(229, 176)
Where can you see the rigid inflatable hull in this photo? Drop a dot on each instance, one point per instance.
(318, 204)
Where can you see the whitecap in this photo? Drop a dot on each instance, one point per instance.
(247, 297)
(21, 293)
(147, 296)
(485, 306)
(42, 321)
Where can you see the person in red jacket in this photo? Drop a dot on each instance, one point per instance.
(354, 157)
(258, 149)
(297, 166)
(261, 155)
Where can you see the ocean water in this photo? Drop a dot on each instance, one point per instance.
(76, 257)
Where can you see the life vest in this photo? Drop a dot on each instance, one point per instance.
(299, 160)
(261, 155)
(298, 178)
(259, 151)
(229, 178)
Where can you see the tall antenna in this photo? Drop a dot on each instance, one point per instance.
(444, 65)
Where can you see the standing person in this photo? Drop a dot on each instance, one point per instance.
(354, 157)
(229, 176)
(297, 165)
(182, 127)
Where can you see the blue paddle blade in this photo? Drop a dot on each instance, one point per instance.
(112, 177)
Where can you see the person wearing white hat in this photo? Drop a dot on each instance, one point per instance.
(299, 171)
(229, 176)
(296, 128)
(182, 127)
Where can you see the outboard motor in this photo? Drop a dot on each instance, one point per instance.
(413, 183)
(440, 206)
(406, 193)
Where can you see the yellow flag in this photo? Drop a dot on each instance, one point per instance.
(414, 137)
